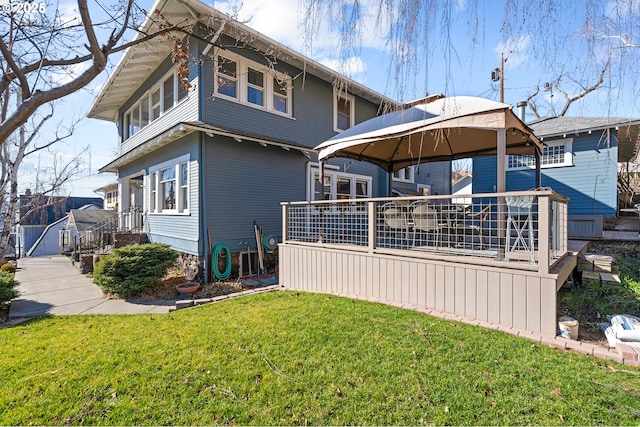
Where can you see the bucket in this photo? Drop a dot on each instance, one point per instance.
(568, 328)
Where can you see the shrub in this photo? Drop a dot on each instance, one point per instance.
(132, 269)
(8, 267)
(8, 286)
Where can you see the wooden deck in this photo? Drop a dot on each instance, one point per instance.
(341, 255)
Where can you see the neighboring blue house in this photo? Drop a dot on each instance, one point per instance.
(214, 160)
(580, 161)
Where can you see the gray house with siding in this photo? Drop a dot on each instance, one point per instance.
(207, 160)
(580, 161)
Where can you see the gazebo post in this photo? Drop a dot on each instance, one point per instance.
(501, 188)
(538, 173)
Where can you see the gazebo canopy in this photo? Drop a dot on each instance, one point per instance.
(446, 129)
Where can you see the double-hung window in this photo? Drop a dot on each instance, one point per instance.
(255, 87)
(169, 91)
(405, 174)
(241, 80)
(280, 96)
(227, 78)
(555, 154)
(343, 111)
(169, 187)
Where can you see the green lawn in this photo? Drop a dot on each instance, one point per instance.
(291, 358)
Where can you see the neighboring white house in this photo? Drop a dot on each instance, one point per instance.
(51, 241)
(462, 186)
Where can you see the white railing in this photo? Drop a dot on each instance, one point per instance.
(525, 230)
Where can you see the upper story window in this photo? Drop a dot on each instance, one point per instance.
(554, 154)
(241, 80)
(227, 77)
(281, 95)
(343, 111)
(255, 87)
(405, 174)
(168, 92)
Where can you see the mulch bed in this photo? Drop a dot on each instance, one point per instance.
(166, 289)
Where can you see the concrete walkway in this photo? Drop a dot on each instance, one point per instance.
(52, 285)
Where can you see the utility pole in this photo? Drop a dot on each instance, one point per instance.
(498, 75)
(501, 77)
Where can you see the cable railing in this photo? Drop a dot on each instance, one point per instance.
(525, 229)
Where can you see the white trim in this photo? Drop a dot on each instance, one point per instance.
(147, 98)
(567, 160)
(334, 173)
(422, 187)
(242, 84)
(402, 174)
(352, 109)
(154, 175)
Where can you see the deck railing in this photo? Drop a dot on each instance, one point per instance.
(526, 230)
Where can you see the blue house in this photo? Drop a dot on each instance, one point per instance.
(580, 161)
(207, 160)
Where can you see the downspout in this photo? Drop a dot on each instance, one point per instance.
(204, 227)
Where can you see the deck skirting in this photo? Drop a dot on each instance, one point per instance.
(520, 299)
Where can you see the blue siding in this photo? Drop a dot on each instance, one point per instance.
(153, 79)
(180, 231)
(590, 184)
(312, 121)
(245, 183)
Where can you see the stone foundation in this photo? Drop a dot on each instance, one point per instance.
(192, 265)
(124, 239)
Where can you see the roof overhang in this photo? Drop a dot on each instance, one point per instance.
(185, 128)
(628, 131)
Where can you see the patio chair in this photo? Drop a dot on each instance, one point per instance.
(475, 224)
(520, 218)
(395, 218)
(425, 219)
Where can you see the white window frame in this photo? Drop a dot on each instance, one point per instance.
(156, 205)
(313, 172)
(228, 77)
(243, 85)
(352, 109)
(147, 98)
(405, 174)
(567, 161)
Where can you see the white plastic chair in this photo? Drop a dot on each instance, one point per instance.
(425, 218)
(396, 218)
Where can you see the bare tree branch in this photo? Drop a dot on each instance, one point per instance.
(531, 103)
(585, 92)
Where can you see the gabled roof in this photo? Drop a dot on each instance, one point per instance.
(628, 129)
(85, 220)
(37, 209)
(139, 61)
